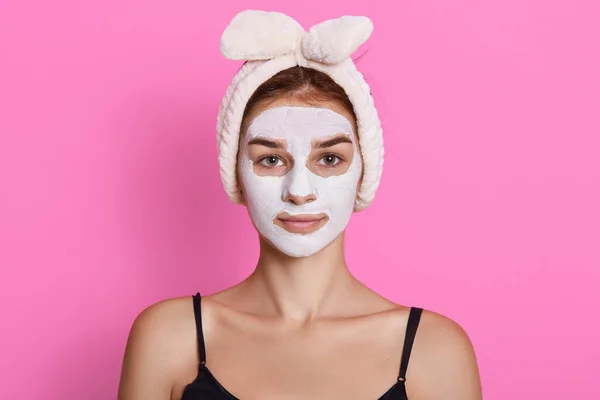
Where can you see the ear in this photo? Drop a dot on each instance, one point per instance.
(243, 197)
(360, 180)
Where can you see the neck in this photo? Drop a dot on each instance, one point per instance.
(301, 288)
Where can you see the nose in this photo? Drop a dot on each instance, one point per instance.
(299, 186)
(299, 200)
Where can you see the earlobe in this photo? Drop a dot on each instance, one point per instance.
(356, 197)
(243, 197)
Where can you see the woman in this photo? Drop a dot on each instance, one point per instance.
(300, 146)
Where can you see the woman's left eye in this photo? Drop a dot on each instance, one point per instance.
(330, 160)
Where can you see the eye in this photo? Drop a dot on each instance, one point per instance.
(329, 160)
(271, 161)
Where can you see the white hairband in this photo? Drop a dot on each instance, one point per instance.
(271, 42)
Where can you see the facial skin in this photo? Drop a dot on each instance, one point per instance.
(300, 167)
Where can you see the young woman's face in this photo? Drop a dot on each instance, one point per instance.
(299, 167)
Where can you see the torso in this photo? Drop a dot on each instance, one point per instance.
(351, 357)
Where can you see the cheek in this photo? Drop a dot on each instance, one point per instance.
(340, 188)
(259, 189)
(337, 188)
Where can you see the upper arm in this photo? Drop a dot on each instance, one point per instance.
(148, 363)
(447, 363)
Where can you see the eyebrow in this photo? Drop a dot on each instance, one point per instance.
(333, 141)
(267, 143)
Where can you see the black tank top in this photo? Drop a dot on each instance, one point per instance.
(206, 386)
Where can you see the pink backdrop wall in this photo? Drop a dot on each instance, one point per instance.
(488, 211)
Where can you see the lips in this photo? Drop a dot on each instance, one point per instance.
(301, 223)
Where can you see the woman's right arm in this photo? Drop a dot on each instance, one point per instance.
(149, 361)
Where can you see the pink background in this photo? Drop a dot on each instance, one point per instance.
(488, 210)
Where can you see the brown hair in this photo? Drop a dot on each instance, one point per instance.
(305, 84)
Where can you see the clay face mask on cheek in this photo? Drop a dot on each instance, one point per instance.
(331, 196)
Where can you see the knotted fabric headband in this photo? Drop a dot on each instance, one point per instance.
(271, 42)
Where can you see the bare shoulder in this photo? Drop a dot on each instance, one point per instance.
(162, 322)
(443, 363)
(159, 345)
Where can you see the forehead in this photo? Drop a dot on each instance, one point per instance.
(292, 101)
(298, 122)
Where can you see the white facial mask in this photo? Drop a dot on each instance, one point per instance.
(335, 195)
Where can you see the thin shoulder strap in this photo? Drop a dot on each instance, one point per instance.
(198, 317)
(411, 331)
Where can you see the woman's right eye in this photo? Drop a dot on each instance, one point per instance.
(271, 161)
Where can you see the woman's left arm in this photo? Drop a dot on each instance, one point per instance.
(447, 365)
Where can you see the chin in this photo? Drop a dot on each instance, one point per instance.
(297, 251)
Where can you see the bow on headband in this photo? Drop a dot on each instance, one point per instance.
(262, 35)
